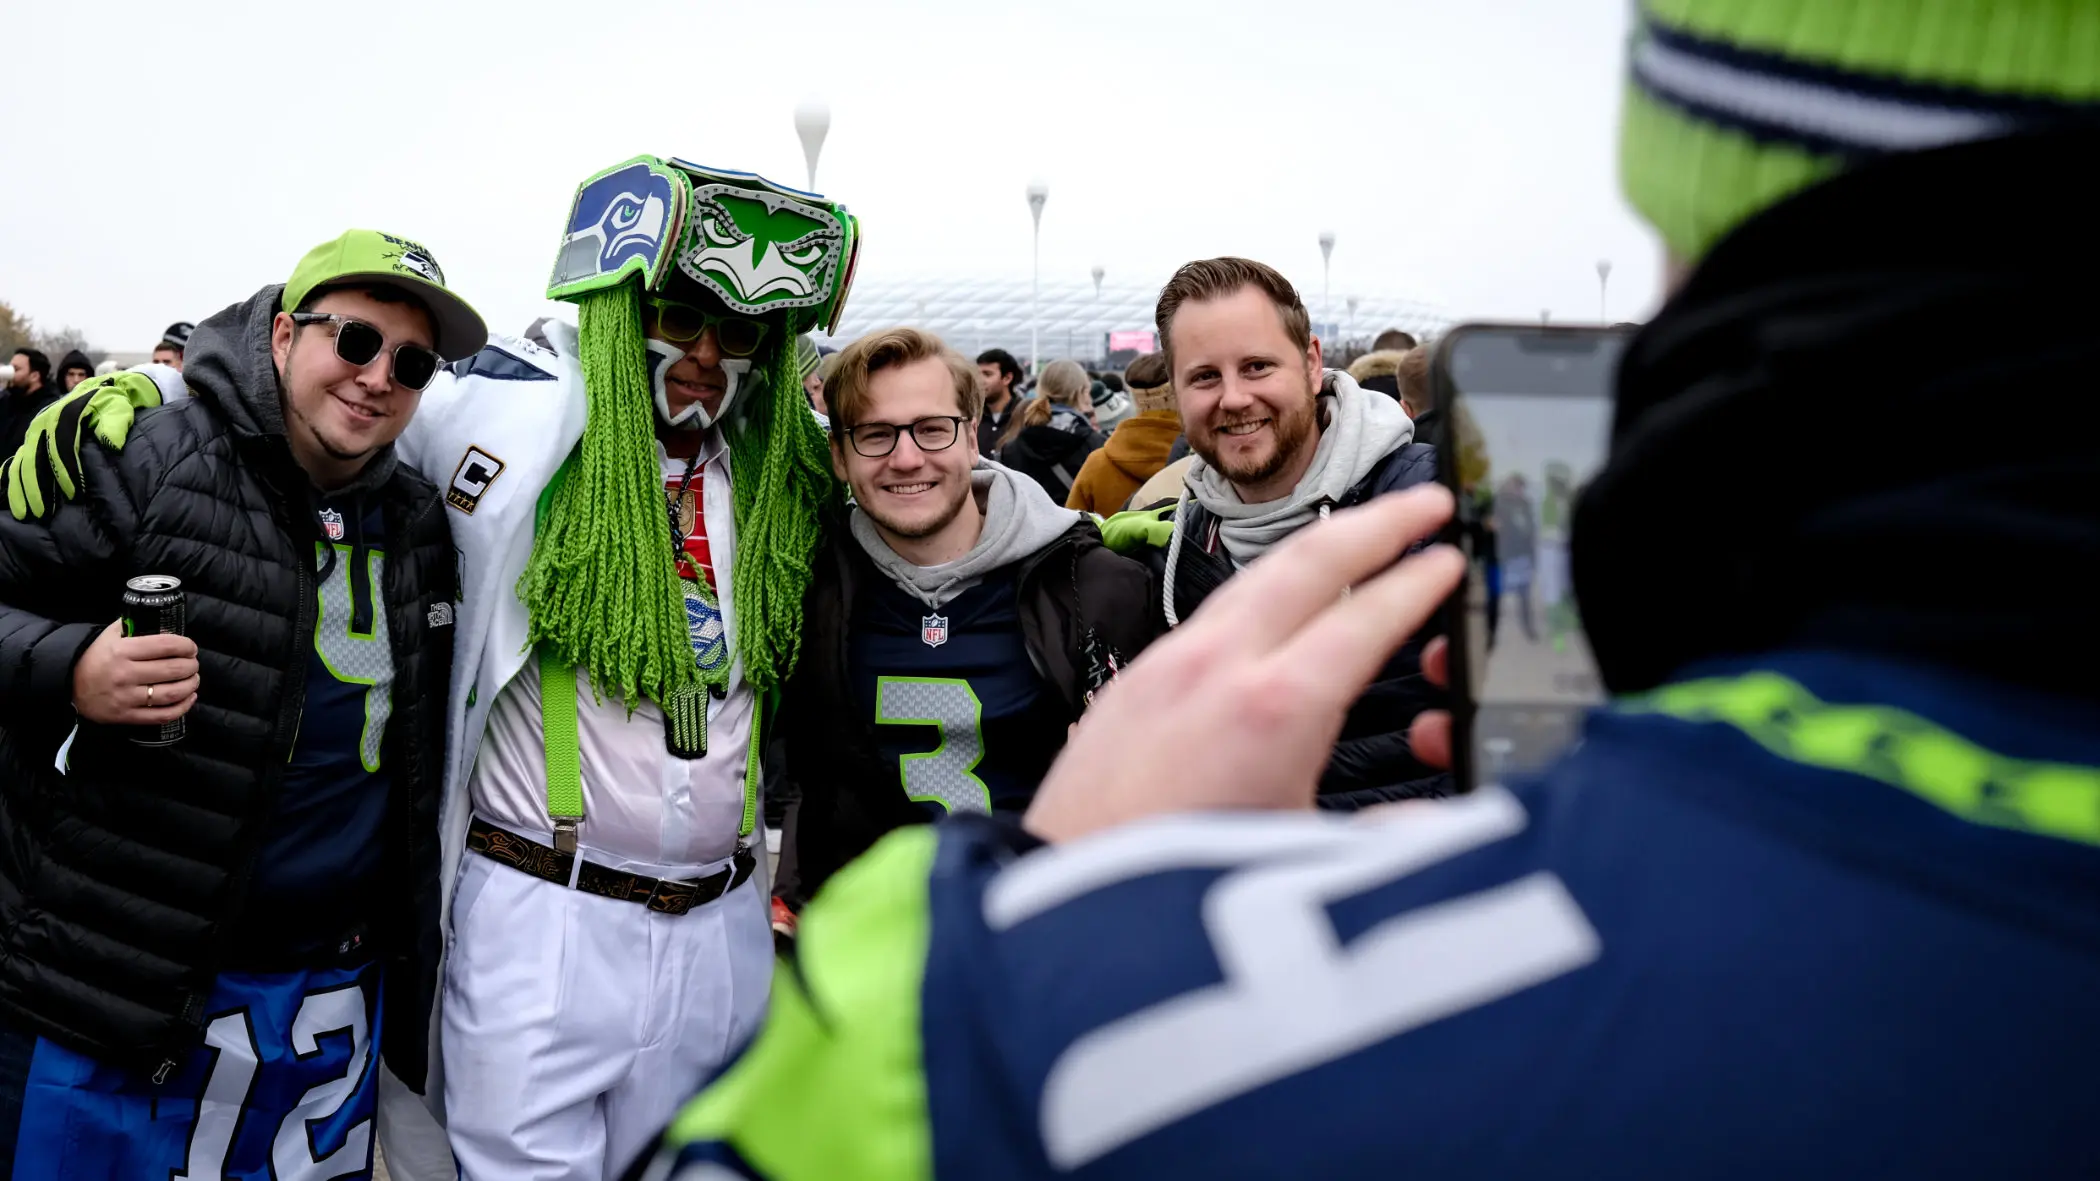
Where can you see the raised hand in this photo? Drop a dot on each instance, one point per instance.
(1239, 707)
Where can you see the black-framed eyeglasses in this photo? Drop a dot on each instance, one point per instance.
(358, 343)
(873, 440)
(682, 323)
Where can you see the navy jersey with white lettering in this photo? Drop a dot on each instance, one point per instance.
(957, 704)
(324, 843)
(1822, 916)
(284, 1087)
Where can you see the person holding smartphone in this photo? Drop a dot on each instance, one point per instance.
(1817, 894)
(205, 944)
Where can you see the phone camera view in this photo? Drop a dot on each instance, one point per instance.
(1530, 427)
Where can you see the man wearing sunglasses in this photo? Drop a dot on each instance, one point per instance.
(958, 620)
(635, 505)
(210, 933)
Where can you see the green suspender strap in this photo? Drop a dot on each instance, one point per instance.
(564, 764)
(558, 726)
(558, 712)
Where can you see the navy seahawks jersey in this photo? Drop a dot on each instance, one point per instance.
(283, 1087)
(1823, 917)
(957, 704)
(322, 851)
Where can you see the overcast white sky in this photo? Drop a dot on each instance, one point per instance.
(161, 162)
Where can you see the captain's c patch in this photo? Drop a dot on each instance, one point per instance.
(471, 479)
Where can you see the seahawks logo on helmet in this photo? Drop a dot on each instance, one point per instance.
(619, 224)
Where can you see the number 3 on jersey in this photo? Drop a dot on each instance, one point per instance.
(358, 655)
(944, 775)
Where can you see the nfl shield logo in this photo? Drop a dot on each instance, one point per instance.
(934, 630)
(332, 523)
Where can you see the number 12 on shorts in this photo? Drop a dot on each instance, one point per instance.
(318, 1121)
(284, 1087)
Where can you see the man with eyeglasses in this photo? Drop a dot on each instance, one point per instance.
(635, 507)
(958, 621)
(218, 849)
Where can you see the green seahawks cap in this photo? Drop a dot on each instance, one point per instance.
(370, 257)
(1734, 105)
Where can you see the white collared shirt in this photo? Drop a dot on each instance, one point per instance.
(640, 801)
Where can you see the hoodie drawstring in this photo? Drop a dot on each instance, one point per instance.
(1174, 559)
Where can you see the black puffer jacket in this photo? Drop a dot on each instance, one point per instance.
(1052, 455)
(122, 881)
(849, 794)
(1372, 761)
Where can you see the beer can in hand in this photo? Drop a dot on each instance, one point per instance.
(153, 606)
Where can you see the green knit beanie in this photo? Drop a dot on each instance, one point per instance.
(1732, 105)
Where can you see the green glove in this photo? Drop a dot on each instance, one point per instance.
(50, 454)
(1139, 529)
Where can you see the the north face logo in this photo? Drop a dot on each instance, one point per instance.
(441, 614)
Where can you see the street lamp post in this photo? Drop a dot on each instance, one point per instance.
(1038, 192)
(812, 124)
(1351, 334)
(1326, 267)
(1603, 290)
(1099, 272)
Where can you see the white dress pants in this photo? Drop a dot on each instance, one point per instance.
(575, 1026)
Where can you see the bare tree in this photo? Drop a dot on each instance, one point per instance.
(57, 343)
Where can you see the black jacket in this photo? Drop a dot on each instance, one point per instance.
(1052, 455)
(850, 795)
(123, 881)
(989, 427)
(1372, 761)
(17, 407)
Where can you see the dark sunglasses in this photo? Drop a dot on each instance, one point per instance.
(358, 342)
(682, 323)
(873, 440)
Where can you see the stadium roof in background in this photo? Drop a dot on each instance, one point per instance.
(974, 314)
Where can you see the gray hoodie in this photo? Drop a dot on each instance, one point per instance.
(1019, 521)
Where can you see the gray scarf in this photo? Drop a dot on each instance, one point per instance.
(1019, 519)
(1363, 428)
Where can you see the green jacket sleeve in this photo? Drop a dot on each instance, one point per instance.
(833, 1086)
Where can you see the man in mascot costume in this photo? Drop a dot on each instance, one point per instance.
(635, 508)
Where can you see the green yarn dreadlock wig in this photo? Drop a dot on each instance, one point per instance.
(602, 586)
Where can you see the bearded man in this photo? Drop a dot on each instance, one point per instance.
(1280, 442)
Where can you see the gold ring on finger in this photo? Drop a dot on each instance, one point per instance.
(149, 697)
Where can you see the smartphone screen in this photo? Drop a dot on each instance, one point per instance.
(1527, 422)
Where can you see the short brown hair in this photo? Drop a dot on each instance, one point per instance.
(1414, 382)
(846, 390)
(1147, 372)
(1215, 278)
(1395, 339)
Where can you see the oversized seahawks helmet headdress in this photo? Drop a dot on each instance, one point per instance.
(756, 246)
(602, 588)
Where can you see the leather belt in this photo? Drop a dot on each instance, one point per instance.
(663, 895)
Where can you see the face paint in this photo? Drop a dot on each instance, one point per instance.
(695, 416)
